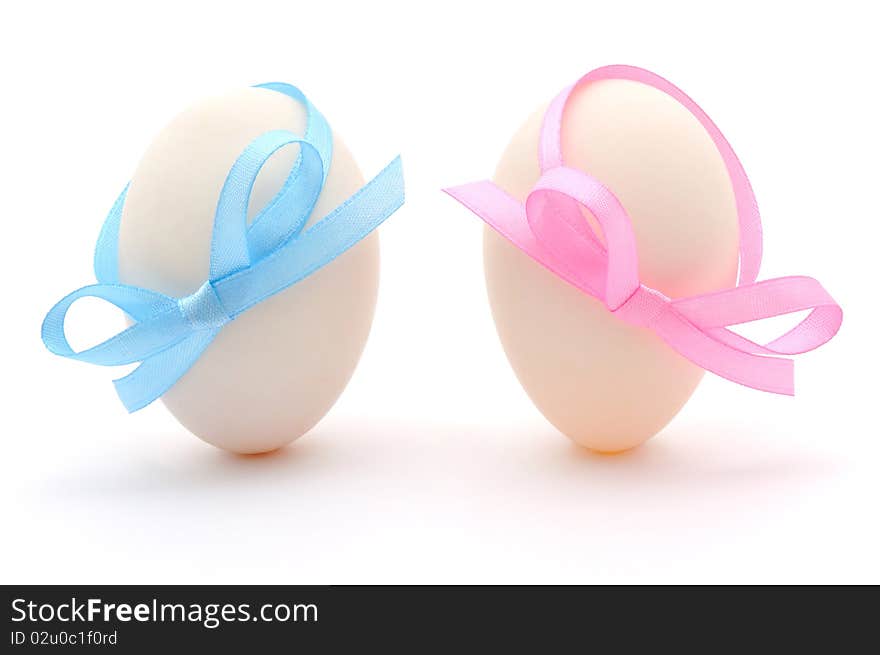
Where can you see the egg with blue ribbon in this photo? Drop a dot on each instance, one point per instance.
(244, 255)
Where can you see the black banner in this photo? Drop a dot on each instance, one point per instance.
(330, 619)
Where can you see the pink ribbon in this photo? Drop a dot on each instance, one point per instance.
(551, 229)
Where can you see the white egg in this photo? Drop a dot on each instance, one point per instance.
(274, 372)
(607, 385)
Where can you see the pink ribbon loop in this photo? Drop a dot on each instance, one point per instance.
(550, 227)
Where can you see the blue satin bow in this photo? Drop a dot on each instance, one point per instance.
(248, 263)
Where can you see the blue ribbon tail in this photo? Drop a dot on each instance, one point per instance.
(160, 372)
(106, 260)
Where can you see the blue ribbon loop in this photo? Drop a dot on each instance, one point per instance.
(248, 263)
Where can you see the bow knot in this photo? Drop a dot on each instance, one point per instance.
(642, 308)
(203, 309)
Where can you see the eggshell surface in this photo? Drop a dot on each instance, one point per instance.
(607, 385)
(274, 371)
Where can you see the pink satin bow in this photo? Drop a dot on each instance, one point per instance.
(551, 229)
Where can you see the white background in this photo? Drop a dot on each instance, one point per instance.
(434, 466)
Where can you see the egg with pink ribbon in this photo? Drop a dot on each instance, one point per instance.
(623, 242)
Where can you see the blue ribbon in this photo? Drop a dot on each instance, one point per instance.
(248, 263)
